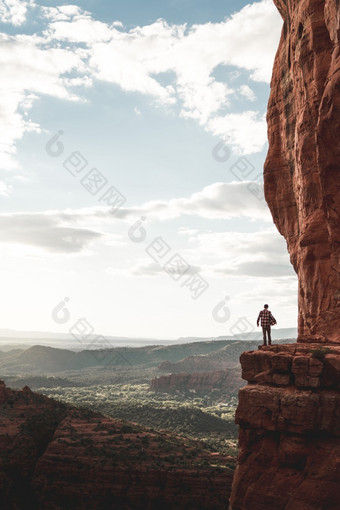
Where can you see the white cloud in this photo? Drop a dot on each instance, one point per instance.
(47, 231)
(14, 11)
(117, 24)
(247, 92)
(70, 230)
(116, 63)
(254, 34)
(5, 189)
(28, 67)
(147, 268)
(261, 254)
(220, 200)
(79, 29)
(136, 60)
(260, 268)
(63, 12)
(282, 292)
(27, 72)
(202, 100)
(246, 132)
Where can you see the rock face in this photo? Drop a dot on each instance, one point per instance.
(289, 436)
(289, 412)
(302, 170)
(53, 456)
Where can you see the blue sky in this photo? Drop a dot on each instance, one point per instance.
(162, 108)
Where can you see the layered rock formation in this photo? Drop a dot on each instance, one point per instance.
(289, 436)
(301, 175)
(53, 456)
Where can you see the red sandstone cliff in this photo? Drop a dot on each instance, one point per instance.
(289, 412)
(302, 170)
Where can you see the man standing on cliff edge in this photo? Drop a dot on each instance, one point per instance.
(267, 320)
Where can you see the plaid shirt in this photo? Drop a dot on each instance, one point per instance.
(265, 316)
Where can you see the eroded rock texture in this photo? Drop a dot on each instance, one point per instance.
(302, 182)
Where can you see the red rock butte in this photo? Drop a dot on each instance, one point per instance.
(302, 170)
(289, 412)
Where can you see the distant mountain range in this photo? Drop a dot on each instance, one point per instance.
(10, 339)
(277, 334)
(186, 357)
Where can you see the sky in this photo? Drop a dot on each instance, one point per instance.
(133, 138)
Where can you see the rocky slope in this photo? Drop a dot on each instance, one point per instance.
(301, 175)
(53, 456)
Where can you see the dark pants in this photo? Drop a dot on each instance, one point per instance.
(266, 330)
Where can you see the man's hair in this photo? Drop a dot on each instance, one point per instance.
(265, 306)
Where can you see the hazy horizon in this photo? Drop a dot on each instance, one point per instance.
(25, 339)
